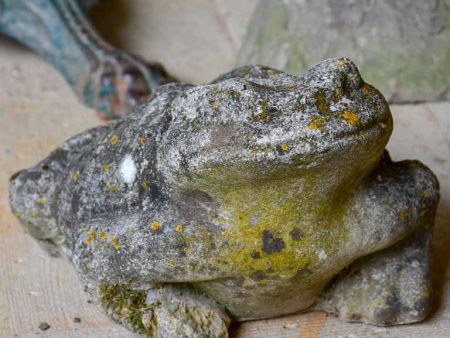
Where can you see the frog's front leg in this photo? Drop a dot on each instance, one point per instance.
(395, 214)
(104, 77)
(385, 288)
(166, 310)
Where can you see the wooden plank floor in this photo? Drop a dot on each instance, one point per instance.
(38, 112)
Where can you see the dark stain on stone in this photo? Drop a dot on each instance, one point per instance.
(258, 275)
(296, 234)
(271, 244)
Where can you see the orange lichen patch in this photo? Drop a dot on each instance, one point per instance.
(115, 139)
(225, 233)
(179, 228)
(351, 118)
(76, 176)
(105, 168)
(91, 237)
(42, 201)
(103, 235)
(402, 216)
(314, 125)
(115, 242)
(144, 185)
(284, 147)
(155, 225)
(34, 214)
(366, 89)
(142, 140)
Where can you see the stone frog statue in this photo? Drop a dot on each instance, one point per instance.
(257, 195)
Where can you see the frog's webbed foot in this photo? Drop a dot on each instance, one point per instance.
(165, 311)
(385, 288)
(105, 78)
(394, 214)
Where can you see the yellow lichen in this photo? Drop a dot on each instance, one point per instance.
(342, 63)
(142, 140)
(76, 176)
(84, 229)
(402, 216)
(91, 237)
(144, 185)
(351, 118)
(284, 147)
(179, 228)
(105, 168)
(155, 225)
(42, 201)
(115, 139)
(424, 194)
(103, 235)
(34, 214)
(115, 242)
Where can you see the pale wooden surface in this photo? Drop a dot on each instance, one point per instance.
(38, 111)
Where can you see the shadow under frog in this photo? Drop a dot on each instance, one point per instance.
(257, 195)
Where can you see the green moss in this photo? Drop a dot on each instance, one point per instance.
(125, 304)
(321, 102)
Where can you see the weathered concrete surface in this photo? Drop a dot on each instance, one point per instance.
(401, 47)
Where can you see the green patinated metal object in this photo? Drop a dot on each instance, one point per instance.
(105, 78)
(257, 195)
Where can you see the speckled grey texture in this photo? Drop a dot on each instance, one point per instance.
(253, 194)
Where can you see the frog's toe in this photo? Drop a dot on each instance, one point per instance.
(165, 311)
(386, 288)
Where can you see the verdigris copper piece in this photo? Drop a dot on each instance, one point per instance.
(257, 195)
(105, 78)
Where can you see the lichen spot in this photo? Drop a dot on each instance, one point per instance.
(351, 118)
(155, 225)
(105, 168)
(128, 169)
(42, 201)
(84, 229)
(366, 89)
(342, 63)
(142, 140)
(225, 233)
(402, 216)
(115, 242)
(103, 235)
(179, 228)
(284, 147)
(34, 214)
(76, 176)
(91, 236)
(114, 139)
(313, 125)
(144, 185)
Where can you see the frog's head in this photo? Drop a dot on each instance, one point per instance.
(255, 123)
